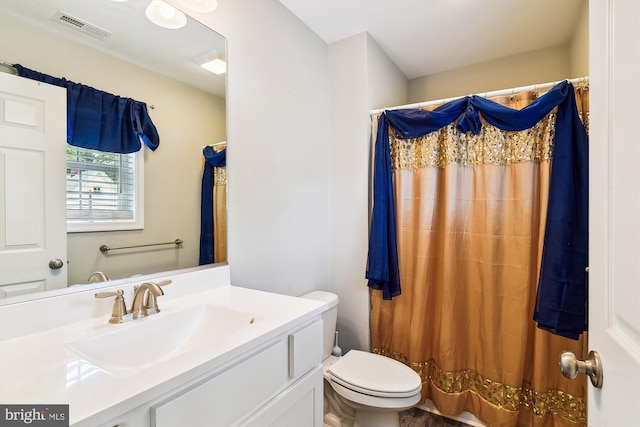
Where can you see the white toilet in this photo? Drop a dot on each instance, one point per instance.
(366, 389)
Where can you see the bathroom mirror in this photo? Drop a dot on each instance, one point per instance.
(112, 46)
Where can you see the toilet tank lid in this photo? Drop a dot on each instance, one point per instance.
(328, 297)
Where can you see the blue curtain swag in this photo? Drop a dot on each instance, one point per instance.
(101, 121)
(561, 303)
(211, 160)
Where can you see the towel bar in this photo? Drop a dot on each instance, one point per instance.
(105, 248)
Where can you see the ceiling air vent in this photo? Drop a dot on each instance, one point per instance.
(80, 25)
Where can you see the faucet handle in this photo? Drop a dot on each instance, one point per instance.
(119, 307)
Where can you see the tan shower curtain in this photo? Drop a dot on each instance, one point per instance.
(471, 215)
(220, 214)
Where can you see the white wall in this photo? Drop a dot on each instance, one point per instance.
(387, 86)
(348, 172)
(361, 78)
(278, 153)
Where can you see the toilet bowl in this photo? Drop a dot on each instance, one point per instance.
(362, 389)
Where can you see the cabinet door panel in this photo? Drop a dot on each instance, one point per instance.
(229, 396)
(299, 405)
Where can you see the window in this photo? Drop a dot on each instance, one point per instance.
(104, 190)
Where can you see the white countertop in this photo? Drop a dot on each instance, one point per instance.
(40, 368)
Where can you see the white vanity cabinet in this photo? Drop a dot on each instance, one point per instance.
(276, 384)
(217, 355)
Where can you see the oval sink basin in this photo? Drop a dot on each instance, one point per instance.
(142, 343)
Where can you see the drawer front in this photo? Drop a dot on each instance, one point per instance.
(230, 395)
(305, 349)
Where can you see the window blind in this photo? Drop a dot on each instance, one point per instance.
(100, 185)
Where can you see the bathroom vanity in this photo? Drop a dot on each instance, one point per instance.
(215, 354)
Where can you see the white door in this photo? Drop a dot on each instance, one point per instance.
(614, 211)
(33, 230)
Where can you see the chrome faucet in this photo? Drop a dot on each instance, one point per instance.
(144, 301)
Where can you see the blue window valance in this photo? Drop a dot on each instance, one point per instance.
(562, 288)
(99, 120)
(211, 160)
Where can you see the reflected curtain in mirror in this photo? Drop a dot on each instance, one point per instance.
(471, 211)
(99, 120)
(213, 220)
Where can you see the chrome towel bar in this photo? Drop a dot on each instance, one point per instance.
(106, 248)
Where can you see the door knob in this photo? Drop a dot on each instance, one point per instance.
(55, 263)
(570, 366)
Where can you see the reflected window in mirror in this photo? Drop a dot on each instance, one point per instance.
(104, 190)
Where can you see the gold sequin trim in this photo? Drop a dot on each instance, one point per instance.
(541, 404)
(584, 117)
(220, 176)
(491, 145)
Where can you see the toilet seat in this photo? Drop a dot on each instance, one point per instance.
(374, 375)
(360, 400)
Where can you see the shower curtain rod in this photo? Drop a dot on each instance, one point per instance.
(484, 95)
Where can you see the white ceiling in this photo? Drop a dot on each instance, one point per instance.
(424, 37)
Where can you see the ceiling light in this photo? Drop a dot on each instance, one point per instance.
(216, 66)
(212, 62)
(201, 6)
(165, 15)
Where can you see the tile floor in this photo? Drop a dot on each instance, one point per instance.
(415, 417)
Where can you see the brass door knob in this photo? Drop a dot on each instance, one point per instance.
(570, 366)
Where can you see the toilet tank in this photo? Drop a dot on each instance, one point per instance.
(329, 318)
